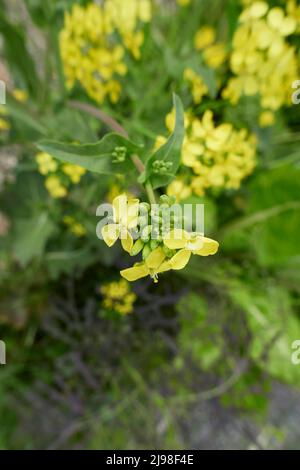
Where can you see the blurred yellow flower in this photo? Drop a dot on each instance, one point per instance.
(262, 60)
(4, 125)
(266, 118)
(75, 172)
(199, 88)
(118, 296)
(46, 163)
(218, 156)
(215, 55)
(75, 227)
(55, 187)
(20, 95)
(204, 37)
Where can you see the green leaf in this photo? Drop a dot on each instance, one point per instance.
(31, 237)
(21, 112)
(97, 157)
(275, 203)
(17, 55)
(169, 153)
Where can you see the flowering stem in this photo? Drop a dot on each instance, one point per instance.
(115, 126)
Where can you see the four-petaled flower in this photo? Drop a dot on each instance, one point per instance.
(125, 218)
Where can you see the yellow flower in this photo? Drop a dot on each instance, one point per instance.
(188, 244)
(157, 261)
(118, 297)
(199, 88)
(266, 118)
(204, 37)
(46, 163)
(215, 55)
(125, 218)
(75, 172)
(20, 95)
(75, 227)
(4, 125)
(55, 188)
(153, 265)
(179, 189)
(183, 3)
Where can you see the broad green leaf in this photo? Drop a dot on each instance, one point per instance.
(97, 157)
(31, 237)
(169, 153)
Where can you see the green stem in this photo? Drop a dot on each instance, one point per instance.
(150, 193)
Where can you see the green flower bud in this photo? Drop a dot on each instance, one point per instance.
(164, 199)
(154, 244)
(146, 251)
(146, 232)
(144, 207)
(137, 247)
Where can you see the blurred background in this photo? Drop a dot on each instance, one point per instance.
(203, 359)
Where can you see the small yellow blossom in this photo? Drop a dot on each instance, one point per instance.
(20, 95)
(118, 296)
(75, 227)
(215, 55)
(4, 125)
(204, 37)
(46, 163)
(55, 187)
(266, 118)
(75, 172)
(179, 189)
(199, 88)
(183, 3)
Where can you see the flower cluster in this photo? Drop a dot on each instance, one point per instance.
(93, 44)
(117, 296)
(158, 235)
(218, 156)
(59, 176)
(262, 61)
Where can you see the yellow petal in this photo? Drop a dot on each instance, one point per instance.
(195, 243)
(155, 259)
(126, 240)
(176, 239)
(165, 266)
(210, 247)
(110, 234)
(180, 260)
(137, 271)
(119, 207)
(132, 213)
